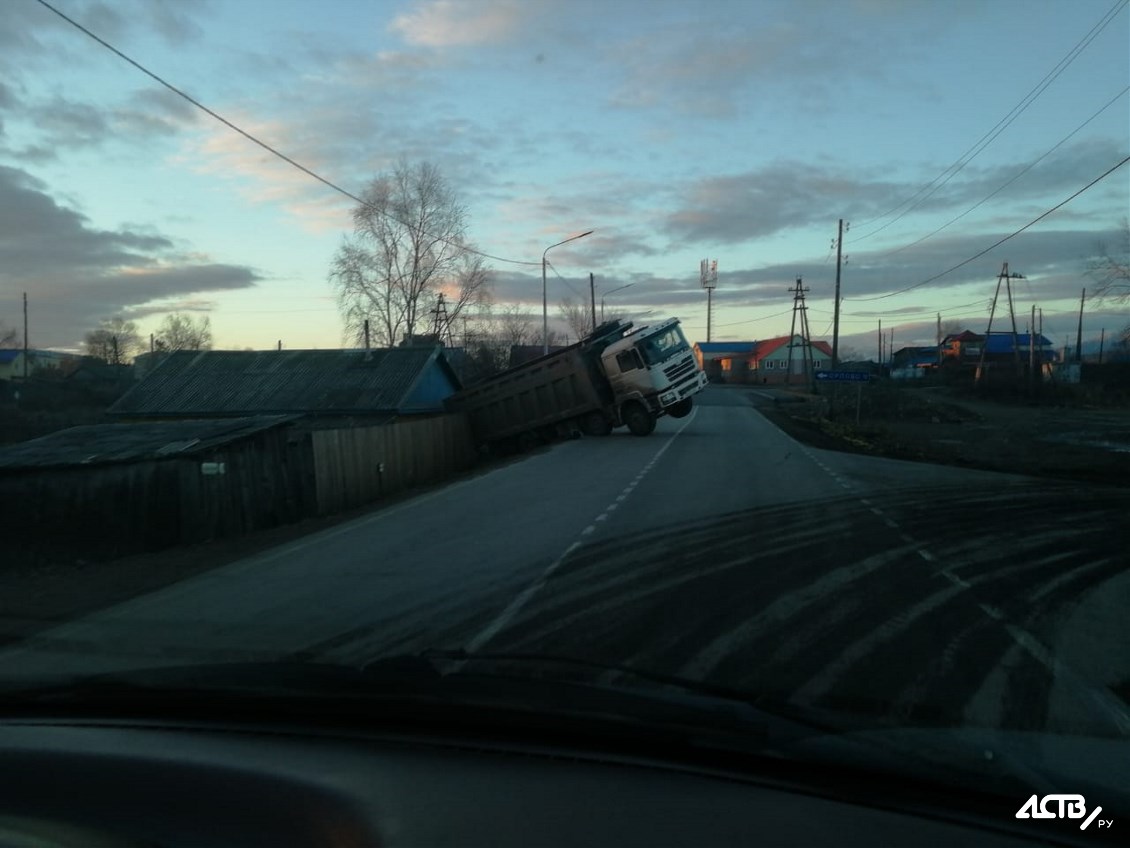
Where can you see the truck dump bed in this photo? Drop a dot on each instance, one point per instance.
(546, 392)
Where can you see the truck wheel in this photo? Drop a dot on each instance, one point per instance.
(639, 420)
(681, 409)
(595, 424)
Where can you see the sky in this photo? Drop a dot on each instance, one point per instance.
(735, 130)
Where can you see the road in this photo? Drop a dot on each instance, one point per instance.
(718, 549)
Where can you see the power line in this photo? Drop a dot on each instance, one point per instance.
(996, 244)
(1017, 176)
(988, 138)
(326, 182)
(562, 279)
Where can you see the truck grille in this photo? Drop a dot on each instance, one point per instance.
(679, 369)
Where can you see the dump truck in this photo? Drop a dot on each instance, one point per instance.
(616, 376)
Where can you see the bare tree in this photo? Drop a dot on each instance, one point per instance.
(466, 295)
(9, 336)
(183, 332)
(408, 241)
(1111, 268)
(514, 325)
(116, 341)
(577, 315)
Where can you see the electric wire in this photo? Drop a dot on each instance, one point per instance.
(990, 136)
(999, 242)
(1005, 185)
(273, 151)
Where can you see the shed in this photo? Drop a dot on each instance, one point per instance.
(105, 490)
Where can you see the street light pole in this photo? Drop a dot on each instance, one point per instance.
(544, 291)
(603, 296)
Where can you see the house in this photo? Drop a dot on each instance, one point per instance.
(771, 359)
(913, 363)
(335, 384)
(764, 361)
(724, 361)
(999, 348)
(962, 348)
(12, 362)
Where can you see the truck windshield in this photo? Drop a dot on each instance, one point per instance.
(663, 346)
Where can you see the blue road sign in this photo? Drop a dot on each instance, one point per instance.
(844, 376)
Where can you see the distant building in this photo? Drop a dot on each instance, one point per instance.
(12, 362)
(765, 361)
(912, 363)
(724, 361)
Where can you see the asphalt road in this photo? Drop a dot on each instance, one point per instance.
(718, 549)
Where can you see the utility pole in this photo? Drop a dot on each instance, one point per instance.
(836, 309)
(798, 306)
(280, 344)
(366, 334)
(1102, 339)
(1079, 333)
(1032, 347)
(25, 337)
(1005, 277)
(938, 336)
(879, 361)
(592, 299)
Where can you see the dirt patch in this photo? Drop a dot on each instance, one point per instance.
(939, 425)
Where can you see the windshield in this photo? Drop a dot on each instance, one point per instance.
(290, 303)
(663, 346)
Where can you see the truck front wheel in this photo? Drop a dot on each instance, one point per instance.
(681, 409)
(639, 420)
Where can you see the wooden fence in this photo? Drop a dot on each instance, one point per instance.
(359, 465)
(99, 512)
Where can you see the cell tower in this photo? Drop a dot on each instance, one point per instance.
(708, 273)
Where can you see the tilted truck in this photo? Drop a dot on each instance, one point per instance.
(614, 377)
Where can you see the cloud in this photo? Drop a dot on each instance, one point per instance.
(75, 273)
(444, 23)
(783, 195)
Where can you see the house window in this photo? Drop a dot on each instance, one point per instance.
(769, 364)
(818, 363)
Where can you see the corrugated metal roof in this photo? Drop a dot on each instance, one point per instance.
(768, 346)
(338, 382)
(103, 444)
(1002, 342)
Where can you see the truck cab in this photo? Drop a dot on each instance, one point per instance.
(653, 368)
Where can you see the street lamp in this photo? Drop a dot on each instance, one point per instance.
(544, 298)
(603, 296)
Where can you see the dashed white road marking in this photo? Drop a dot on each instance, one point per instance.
(515, 606)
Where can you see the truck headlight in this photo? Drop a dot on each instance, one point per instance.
(668, 398)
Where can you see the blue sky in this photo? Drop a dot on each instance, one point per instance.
(739, 131)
